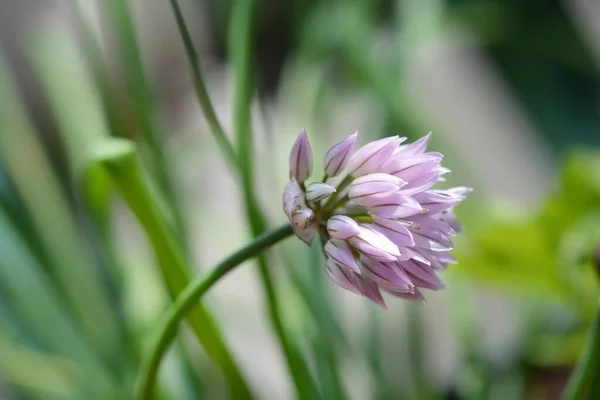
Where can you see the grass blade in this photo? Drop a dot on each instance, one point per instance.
(48, 209)
(143, 102)
(120, 161)
(201, 93)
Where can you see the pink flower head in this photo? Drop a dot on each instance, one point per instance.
(385, 229)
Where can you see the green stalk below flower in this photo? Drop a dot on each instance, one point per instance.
(124, 168)
(190, 295)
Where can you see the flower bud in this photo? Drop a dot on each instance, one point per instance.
(372, 156)
(395, 230)
(301, 218)
(342, 277)
(318, 191)
(416, 296)
(341, 253)
(342, 227)
(387, 275)
(432, 240)
(338, 156)
(370, 290)
(396, 206)
(375, 245)
(438, 201)
(301, 158)
(420, 274)
(374, 189)
(398, 163)
(292, 195)
(415, 148)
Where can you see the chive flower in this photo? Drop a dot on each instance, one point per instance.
(381, 224)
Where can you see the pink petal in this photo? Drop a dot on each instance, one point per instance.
(341, 277)
(292, 195)
(301, 158)
(342, 227)
(384, 275)
(372, 156)
(370, 290)
(375, 245)
(341, 253)
(338, 156)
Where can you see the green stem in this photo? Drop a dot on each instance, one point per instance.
(188, 298)
(345, 182)
(340, 203)
(241, 38)
(126, 172)
(587, 366)
(241, 54)
(415, 332)
(143, 102)
(201, 92)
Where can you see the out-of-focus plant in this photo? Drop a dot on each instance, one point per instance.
(547, 260)
(67, 329)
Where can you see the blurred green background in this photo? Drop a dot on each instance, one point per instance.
(109, 175)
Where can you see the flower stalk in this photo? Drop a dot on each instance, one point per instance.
(244, 17)
(188, 298)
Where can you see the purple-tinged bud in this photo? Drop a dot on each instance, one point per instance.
(438, 201)
(437, 259)
(372, 156)
(301, 218)
(375, 245)
(301, 158)
(370, 290)
(415, 148)
(432, 240)
(374, 189)
(342, 254)
(421, 183)
(416, 296)
(342, 227)
(398, 163)
(460, 190)
(292, 195)
(408, 253)
(318, 191)
(420, 274)
(306, 235)
(435, 223)
(395, 230)
(421, 170)
(342, 277)
(397, 206)
(338, 156)
(387, 275)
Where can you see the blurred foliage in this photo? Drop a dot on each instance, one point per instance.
(70, 320)
(547, 258)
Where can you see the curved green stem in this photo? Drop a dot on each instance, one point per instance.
(583, 375)
(244, 15)
(190, 295)
(242, 37)
(201, 92)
